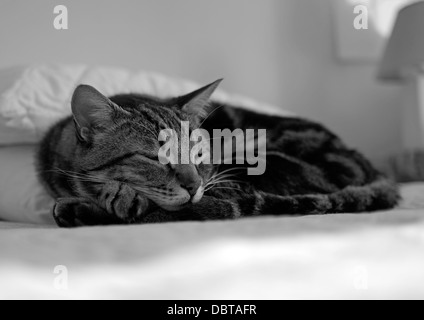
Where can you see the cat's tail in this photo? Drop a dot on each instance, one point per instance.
(382, 194)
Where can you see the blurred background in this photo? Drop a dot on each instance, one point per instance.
(301, 55)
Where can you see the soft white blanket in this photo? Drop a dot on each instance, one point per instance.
(366, 256)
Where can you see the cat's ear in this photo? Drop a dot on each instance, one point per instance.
(92, 111)
(196, 103)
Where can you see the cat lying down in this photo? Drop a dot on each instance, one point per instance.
(103, 165)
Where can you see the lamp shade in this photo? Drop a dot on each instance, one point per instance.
(405, 49)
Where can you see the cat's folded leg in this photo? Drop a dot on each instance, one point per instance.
(78, 212)
(209, 208)
(123, 202)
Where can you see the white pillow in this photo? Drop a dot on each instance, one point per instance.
(22, 197)
(35, 97)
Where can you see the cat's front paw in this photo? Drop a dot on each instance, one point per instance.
(77, 212)
(124, 202)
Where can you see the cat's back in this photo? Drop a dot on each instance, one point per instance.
(225, 116)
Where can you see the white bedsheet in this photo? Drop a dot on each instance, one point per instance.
(366, 256)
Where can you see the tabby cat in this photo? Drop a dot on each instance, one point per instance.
(101, 165)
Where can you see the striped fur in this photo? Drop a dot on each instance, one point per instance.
(101, 165)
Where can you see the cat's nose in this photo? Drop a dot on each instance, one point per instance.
(193, 187)
(189, 179)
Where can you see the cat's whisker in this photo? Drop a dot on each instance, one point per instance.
(70, 172)
(226, 181)
(223, 177)
(212, 185)
(228, 188)
(224, 172)
(80, 176)
(221, 181)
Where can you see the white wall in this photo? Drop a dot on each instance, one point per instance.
(279, 51)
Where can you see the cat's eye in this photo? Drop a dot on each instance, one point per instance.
(151, 157)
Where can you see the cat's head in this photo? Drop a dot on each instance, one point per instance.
(117, 139)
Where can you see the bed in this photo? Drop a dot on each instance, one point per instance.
(363, 256)
(342, 256)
